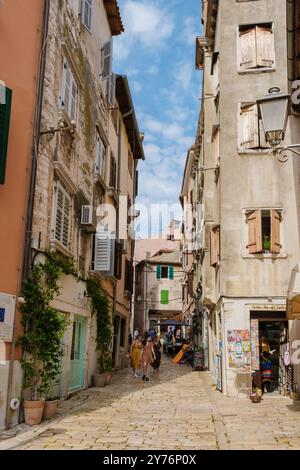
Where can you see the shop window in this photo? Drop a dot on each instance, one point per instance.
(264, 231)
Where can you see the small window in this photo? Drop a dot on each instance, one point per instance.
(62, 213)
(164, 297)
(87, 13)
(100, 156)
(69, 92)
(164, 272)
(256, 48)
(264, 231)
(113, 172)
(251, 134)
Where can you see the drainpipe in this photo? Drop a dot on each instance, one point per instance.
(27, 242)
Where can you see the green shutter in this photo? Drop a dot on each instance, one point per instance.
(164, 297)
(171, 272)
(158, 271)
(5, 106)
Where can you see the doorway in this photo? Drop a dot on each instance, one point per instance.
(269, 334)
(76, 379)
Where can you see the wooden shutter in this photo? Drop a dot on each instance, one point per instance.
(5, 109)
(164, 297)
(171, 272)
(248, 127)
(62, 216)
(275, 231)
(265, 48)
(214, 246)
(107, 59)
(111, 89)
(247, 49)
(66, 221)
(118, 260)
(158, 271)
(102, 252)
(254, 220)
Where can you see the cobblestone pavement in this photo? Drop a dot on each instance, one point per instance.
(178, 410)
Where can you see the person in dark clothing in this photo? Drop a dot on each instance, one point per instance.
(157, 348)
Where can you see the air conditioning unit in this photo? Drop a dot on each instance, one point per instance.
(88, 218)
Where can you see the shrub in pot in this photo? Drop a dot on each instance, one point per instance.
(43, 330)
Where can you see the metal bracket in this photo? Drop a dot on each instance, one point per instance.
(282, 157)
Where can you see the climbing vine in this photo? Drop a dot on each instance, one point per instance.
(101, 308)
(43, 325)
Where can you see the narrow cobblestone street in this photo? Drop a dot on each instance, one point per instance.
(178, 410)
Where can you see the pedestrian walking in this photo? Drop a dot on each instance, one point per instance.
(147, 357)
(135, 355)
(157, 347)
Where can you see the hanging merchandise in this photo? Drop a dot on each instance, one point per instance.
(287, 356)
(239, 348)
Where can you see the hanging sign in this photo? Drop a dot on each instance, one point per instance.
(239, 348)
(7, 313)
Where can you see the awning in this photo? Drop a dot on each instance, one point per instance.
(293, 297)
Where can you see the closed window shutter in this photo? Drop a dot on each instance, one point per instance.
(164, 297)
(247, 49)
(275, 231)
(59, 214)
(249, 135)
(158, 271)
(66, 221)
(254, 221)
(265, 48)
(69, 92)
(100, 158)
(102, 252)
(107, 59)
(171, 272)
(5, 109)
(73, 101)
(111, 89)
(87, 13)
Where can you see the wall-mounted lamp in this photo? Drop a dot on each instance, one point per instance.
(62, 127)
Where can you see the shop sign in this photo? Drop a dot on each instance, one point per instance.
(7, 313)
(268, 307)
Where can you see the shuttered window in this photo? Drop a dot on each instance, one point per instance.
(111, 90)
(264, 231)
(106, 61)
(129, 276)
(5, 108)
(214, 246)
(275, 231)
(62, 216)
(164, 297)
(100, 156)
(118, 260)
(103, 253)
(69, 92)
(113, 172)
(256, 47)
(171, 272)
(87, 13)
(250, 129)
(158, 271)
(254, 221)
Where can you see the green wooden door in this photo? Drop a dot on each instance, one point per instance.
(76, 379)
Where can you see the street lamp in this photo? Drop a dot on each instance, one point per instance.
(274, 110)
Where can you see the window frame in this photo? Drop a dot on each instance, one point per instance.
(101, 169)
(260, 135)
(66, 196)
(255, 69)
(84, 5)
(64, 84)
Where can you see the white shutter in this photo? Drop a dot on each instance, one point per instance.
(66, 221)
(248, 127)
(102, 250)
(62, 216)
(111, 89)
(100, 156)
(247, 49)
(68, 92)
(265, 48)
(73, 101)
(107, 59)
(86, 215)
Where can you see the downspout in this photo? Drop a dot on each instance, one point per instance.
(28, 230)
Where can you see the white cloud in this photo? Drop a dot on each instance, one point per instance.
(183, 74)
(191, 29)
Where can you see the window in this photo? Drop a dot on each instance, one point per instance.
(256, 49)
(100, 156)
(106, 59)
(190, 284)
(214, 246)
(103, 253)
(113, 172)
(264, 231)
(128, 276)
(86, 16)
(250, 129)
(164, 297)
(5, 109)
(111, 90)
(62, 216)
(118, 260)
(69, 92)
(122, 332)
(164, 272)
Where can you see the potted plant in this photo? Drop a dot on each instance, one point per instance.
(101, 308)
(43, 330)
(266, 244)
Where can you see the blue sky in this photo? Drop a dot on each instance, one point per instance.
(157, 53)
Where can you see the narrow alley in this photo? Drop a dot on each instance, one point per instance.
(179, 410)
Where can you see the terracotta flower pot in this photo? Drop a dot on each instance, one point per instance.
(99, 380)
(50, 409)
(108, 377)
(33, 410)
